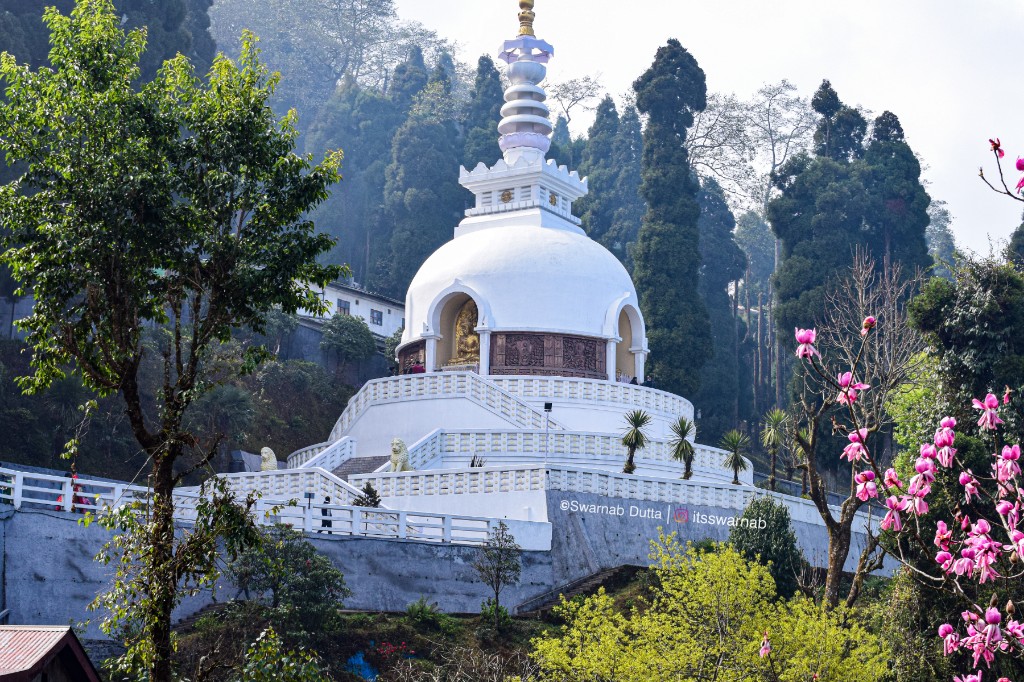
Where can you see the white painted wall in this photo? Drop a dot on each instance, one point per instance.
(524, 505)
(362, 304)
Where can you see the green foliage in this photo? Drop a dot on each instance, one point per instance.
(629, 205)
(667, 253)
(973, 326)
(755, 238)
(368, 497)
(499, 565)
(391, 348)
(942, 243)
(177, 205)
(704, 621)
(222, 526)
(300, 585)
(772, 545)
(349, 338)
(635, 436)
(480, 122)
(268, 661)
(596, 210)
(736, 444)
(1014, 250)
(721, 391)
(494, 614)
(774, 428)
(683, 431)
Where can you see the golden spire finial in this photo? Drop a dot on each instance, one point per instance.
(526, 17)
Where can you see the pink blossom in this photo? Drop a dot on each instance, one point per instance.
(997, 147)
(1006, 467)
(970, 484)
(1020, 163)
(869, 321)
(1006, 394)
(928, 451)
(766, 646)
(849, 389)
(892, 520)
(965, 564)
(989, 412)
(1020, 184)
(806, 349)
(942, 535)
(866, 487)
(892, 479)
(945, 560)
(976, 677)
(950, 640)
(855, 450)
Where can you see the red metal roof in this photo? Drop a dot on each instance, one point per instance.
(25, 649)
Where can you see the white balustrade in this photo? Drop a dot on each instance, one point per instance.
(300, 457)
(595, 391)
(333, 456)
(441, 385)
(455, 481)
(292, 483)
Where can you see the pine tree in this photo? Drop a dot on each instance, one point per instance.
(628, 202)
(482, 115)
(840, 132)
(596, 210)
(722, 263)
(1015, 249)
(422, 198)
(942, 244)
(409, 79)
(667, 255)
(897, 216)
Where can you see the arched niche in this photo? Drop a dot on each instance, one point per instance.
(459, 345)
(630, 330)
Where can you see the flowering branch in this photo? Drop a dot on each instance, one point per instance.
(998, 153)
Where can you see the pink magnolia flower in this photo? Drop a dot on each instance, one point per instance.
(942, 535)
(965, 564)
(1007, 466)
(806, 349)
(976, 677)
(869, 322)
(1006, 394)
(997, 147)
(1020, 163)
(892, 479)
(928, 451)
(1020, 184)
(892, 520)
(950, 640)
(766, 646)
(969, 483)
(855, 450)
(849, 389)
(989, 412)
(945, 560)
(866, 487)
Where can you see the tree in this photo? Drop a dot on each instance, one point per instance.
(480, 123)
(683, 431)
(267, 661)
(596, 210)
(1014, 250)
(629, 205)
(667, 253)
(704, 620)
(774, 426)
(166, 216)
(736, 444)
(391, 348)
(721, 393)
(575, 92)
(941, 242)
(768, 539)
(635, 436)
(499, 564)
(368, 498)
(349, 338)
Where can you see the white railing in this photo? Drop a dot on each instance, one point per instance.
(426, 451)
(441, 385)
(595, 391)
(579, 480)
(300, 457)
(455, 481)
(25, 490)
(377, 523)
(576, 444)
(332, 457)
(292, 484)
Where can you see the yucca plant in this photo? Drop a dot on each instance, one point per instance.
(800, 458)
(683, 429)
(736, 444)
(773, 435)
(635, 437)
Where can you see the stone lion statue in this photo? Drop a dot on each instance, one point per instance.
(268, 460)
(399, 456)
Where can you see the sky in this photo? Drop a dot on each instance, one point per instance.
(946, 68)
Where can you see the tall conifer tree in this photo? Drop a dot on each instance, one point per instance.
(667, 256)
(481, 121)
(628, 202)
(722, 263)
(598, 165)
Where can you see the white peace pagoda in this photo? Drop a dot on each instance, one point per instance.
(522, 335)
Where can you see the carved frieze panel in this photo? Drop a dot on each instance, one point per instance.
(548, 355)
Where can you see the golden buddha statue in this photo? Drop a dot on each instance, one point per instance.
(467, 341)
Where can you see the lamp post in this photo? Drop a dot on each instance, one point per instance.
(547, 422)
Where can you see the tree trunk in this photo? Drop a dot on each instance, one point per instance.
(774, 454)
(164, 586)
(630, 467)
(838, 551)
(778, 344)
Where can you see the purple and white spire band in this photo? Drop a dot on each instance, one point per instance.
(525, 127)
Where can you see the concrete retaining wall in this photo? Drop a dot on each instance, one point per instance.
(50, 577)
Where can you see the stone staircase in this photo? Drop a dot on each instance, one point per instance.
(360, 465)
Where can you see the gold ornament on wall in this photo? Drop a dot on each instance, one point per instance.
(467, 340)
(553, 199)
(506, 196)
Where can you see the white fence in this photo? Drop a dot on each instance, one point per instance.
(595, 391)
(331, 457)
(300, 457)
(466, 385)
(286, 484)
(578, 480)
(283, 502)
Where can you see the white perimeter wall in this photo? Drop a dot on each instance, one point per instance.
(523, 505)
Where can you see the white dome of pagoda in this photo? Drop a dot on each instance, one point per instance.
(521, 289)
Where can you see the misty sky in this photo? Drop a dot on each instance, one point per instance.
(945, 67)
